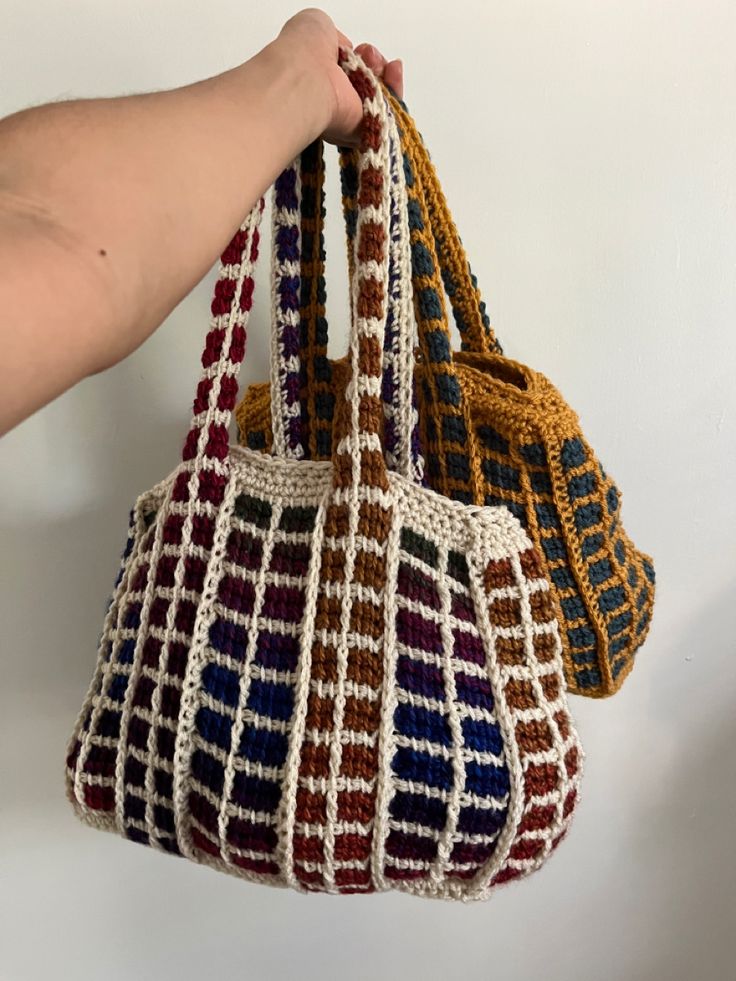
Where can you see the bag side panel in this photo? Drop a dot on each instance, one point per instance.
(234, 748)
(528, 650)
(94, 748)
(448, 773)
(615, 583)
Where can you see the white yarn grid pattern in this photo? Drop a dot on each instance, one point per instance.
(244, 757)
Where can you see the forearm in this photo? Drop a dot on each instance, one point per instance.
(127, 202)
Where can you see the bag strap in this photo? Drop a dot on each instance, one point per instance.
(359, 469)
(301, 393)
(286, 416)
(401, 431)
(202, 479)
(316, 395)
(446, 435)
(206, 448)
(460, 283)
(447, 438)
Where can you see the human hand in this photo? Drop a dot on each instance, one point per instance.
(313, 36)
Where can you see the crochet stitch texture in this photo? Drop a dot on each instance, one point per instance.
(324, 675)
(493, 432)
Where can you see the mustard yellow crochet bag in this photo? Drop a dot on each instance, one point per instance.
(511, 440)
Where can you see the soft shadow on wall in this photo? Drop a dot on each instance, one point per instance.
(687, 902)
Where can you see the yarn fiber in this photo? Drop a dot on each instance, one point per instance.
(496, 432)
(322, 674)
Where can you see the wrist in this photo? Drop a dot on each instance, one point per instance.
(300, 80)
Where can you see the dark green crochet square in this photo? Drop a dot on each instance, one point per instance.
(298, 519)
(254, 510)
(457, 567)
(419, 546)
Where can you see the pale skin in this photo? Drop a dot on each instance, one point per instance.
(112, 210)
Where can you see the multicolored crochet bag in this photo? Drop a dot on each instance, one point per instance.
(322, 674)
(516, 442)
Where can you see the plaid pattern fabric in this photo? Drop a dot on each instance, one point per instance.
(603, 586)
(321, 674)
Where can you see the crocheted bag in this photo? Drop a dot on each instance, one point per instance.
(517, 443)
(321, 674)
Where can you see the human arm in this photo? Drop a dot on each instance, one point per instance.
(111, 210)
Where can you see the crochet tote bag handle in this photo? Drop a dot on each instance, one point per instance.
(468, 307)
(205, 455)
(300, 390)
(201, 482)
(359, 469)
(446, 435)
(452, 462)
(206, 448)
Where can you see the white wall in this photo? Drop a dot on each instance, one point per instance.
(588, 149)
